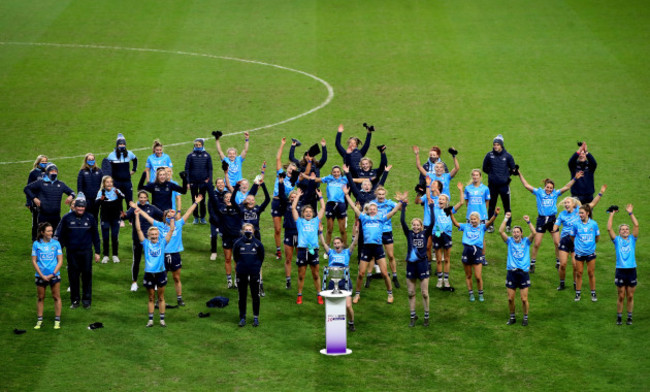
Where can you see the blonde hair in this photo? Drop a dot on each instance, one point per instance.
(366, 159)
(231, 149)
(104, 181)
(447, 198)
(85, 165)
(474, 213)
(156, 143)
(417, 220)
(38, 160)
(576, 202)
(472, 172)
(149, 230)
(380, 189)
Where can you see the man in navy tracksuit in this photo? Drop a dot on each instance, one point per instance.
(198, 166)
(78, 234)
(119, 167)
(583, 189)
(498, 164)
(248, 252)
(46, 193)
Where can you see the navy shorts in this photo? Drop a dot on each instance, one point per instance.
(304, 258)
(291, 238)
(517, 279)
(545, 223)
(153, 279)
(566, 244)
(173, 261)
(275, 208)
(372, 251)
(428, 231)
(387, 238)
(625, 277)
(417, 270)
(228, 240)
(442, 242)
(472, 255)
(44, 283)
(586, 258)
(334, 209)
(344, 284)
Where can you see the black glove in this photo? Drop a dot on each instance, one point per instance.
(453, 151)
(612, 208)
(294, 176)
(217, 134)
(183, 175)
(448, 210)
(419, 189)
(282, 175)
(204, 315)
(314, 150)
(95, 325)
(515, 170)
(579, 144)
(104, 192)
(370, 128)
(224, 166)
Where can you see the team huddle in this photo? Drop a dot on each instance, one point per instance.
(306, 218)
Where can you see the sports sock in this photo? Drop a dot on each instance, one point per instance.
(413, 314)
(150, 316)
(57, 318)
(162, 316)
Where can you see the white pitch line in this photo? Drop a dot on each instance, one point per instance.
(330, 90)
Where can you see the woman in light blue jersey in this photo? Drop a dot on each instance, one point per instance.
(625, 278)
(339, 256)
(567, 218)
(477, 197)
(233, 160)
(336, 207)
(155, 276)
(47, 260)
(473, 236)
(441, 232)
(586, 234)
(156, 160)
(546, 210)
(518, 265)
(282, 174)
(308, 227)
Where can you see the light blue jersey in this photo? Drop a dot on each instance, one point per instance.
(154, 162)
(518, 254)
(625, 251)
(175, 244)
(546, 204)
(335, 188)
(240, 197)
(567, 220)
(154, 255)
(47, 256)
(585, 237)
(372, 227)
(308, 232)
(426, 219)
(287, 185)
(472, 236)
(384, 208)
(443, 222)
(110, 195)
(337, 259)
(444, 179)
(174, 196)
(129, 157)
(234, 169)
(476, 197)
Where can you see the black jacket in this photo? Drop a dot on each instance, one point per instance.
(584, 185)
(198, 166)
(78, 232)
(49, 193)
(497, 166)
(89, 182)
(248, 253)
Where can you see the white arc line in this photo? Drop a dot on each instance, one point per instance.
(330, 90)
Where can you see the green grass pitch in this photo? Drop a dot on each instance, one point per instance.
(544, 74)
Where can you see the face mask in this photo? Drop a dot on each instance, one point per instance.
(122, 149)
(52, 176)
(248, 234)
(42, 165)
(90, 163)
(197, 149)
(168, 219)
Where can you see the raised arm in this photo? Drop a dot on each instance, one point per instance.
(322, 240)
(398, 206)
(189, 211)
(246, 144)
(402, 220)
(356, 209)
(502, 228)
(294, 205)
(454, 221)
(384, 176)
(278, 155)
(453, 171)
(219, 150)
(142, 213)
(267, 198)
(143, 178)
(323, 154)
(321, 210)
(531, 227)
(172, 227)
(355, 238)
(635, 223)
(569, 184)
(525, 183)
(610, 221)
(418, 164)
(337, 142)
(596, 199)
(493, 218)
(137, 224)
(366, 145)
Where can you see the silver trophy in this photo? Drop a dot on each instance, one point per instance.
(336, 274)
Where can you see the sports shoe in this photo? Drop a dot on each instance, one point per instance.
(351, 327)
(577, 297)
(262, 293)
(68, 289)
(134, 286)
(105, 260)
(203, 222)
(557, 265)
(299, 300)
(320, 300)
(594, 298)
(181, 302)
(116, 259)
(439, 284)
(413, 319)
(426, 322)
(511, 321)
(524, 323)
(395, 282)
(38, 324)
(629, 321)
(195, 221)
(235, 283)
(230, 285)
(490, 229)
(163, 324)
(149, 324)
(390, 299)
(480, 298)
(619, 321)
(532, 268)
(471, 298)
(57, 324)
(213, 256)
(356, 298)
(445, 283)
(256, 322)
(368, 279)
(74, 305)
(86, 306)
(278, 254)
(561, 287)
(287, 285)
(484, 261)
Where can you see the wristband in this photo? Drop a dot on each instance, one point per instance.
(196, 203)
(573, 179)
(600, 194)
(527, 222)
(246, 140)
(630, 213)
